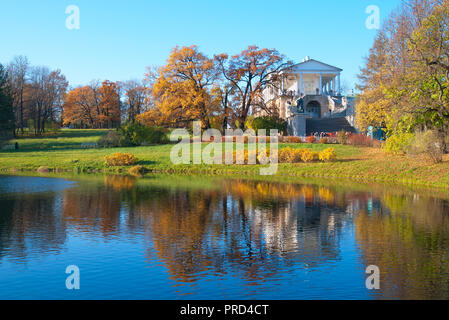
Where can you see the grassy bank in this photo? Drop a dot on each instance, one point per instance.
(64, 153)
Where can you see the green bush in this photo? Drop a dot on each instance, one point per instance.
(137, 134)
(111, 140)
(267, 123)
(399, 143)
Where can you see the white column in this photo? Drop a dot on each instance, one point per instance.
(334, 86)
(282, 83)
(321, 84)
(302, 83)
(339, 85)
(298, 85)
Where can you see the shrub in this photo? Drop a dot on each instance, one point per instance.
(360, 140)
(137, 134)
(292, 139)
(43, 169)
(284, 155)
(137, 171)
(289, 155)
(246, 155)
(311, 139)
(324, 141)
(309, 156)
(427, 144)
(399, 143)
(111, 140)
(267, 123)
(119, 159)
(327, 155)
(341, 137)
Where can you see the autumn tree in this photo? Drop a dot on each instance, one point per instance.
(248, 74)
(181, 92)
(78, 108)
(109, 105)
(386, 94)
(372, 105)
(429, 73)
(93, 106)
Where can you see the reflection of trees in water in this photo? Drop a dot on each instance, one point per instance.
(107, 208)
(252, 228)
(408, 239)
(28, 225)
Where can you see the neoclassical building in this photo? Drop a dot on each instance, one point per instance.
(308, 96)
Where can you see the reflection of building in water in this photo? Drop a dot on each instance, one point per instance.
(307, 228)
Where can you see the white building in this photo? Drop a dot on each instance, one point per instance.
(308, 90)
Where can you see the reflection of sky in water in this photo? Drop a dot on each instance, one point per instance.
(150, 239)
(31, 184)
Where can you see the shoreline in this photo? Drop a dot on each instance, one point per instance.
(246, 172)
(63, 154)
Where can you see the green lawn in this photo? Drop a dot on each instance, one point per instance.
(64, 153)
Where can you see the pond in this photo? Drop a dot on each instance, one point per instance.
(173, 237)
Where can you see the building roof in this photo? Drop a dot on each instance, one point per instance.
(313, 65)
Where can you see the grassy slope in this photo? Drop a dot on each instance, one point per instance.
(365, 164)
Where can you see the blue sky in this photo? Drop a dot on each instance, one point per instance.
(117, 40)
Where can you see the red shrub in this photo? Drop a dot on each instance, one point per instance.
(324, 140)
(292, 140)
(310, 139)
(360, 140)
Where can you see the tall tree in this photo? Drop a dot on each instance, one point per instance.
(18, 70)
(136, 97)
(48, 90)
(182, 90)
(428, 76)
(93, 106)
(386, 98)
(6, 105)
(109, 104)
(249, 73)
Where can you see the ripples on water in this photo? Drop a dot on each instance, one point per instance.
(198, 238)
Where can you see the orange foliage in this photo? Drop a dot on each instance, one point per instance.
(182, 89)
(93, 107)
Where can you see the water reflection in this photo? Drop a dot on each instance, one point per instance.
(409, 241)
(28, 225)
(264, 234)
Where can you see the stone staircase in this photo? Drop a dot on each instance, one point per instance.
(328, 125)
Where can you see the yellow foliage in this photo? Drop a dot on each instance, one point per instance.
(120, 159)
(309, 156)
(137, 171)
(328, 155)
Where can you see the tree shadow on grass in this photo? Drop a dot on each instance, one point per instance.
(145, 162)
(348, 160)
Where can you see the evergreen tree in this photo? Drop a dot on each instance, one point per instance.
(6, 106)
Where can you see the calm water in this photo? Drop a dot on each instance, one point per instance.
(206, 238)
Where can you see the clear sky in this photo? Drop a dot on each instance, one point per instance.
(117, 40)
